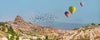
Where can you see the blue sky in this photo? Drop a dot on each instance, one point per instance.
(90, 13)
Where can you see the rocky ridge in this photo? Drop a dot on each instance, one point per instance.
(27, 30)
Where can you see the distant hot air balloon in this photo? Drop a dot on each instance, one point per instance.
(81, 4)
(72, 9)
(67, 13)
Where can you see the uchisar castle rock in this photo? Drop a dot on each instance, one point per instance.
(19, 29)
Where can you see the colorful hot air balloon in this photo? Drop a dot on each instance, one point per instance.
(72, 9)
(67, 13)
(81, 4)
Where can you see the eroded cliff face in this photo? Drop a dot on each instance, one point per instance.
(91, 32)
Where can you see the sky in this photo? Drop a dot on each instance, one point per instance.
(90, 13)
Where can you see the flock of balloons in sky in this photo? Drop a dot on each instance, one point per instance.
(72, 9)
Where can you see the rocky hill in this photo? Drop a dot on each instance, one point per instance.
(19, 29)
(91, 32)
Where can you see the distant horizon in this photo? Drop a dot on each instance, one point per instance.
(89, 13)
(28, 20)
(58, 25)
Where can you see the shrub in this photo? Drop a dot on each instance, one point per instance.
(75, 28)
(39, 39)
(98, 24)
(2, 23)
(46, 37)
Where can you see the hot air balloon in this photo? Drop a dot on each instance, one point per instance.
(81, 4)
(67, 13)
(72, 9)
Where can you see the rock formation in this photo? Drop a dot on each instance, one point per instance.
(20, 26)
(19, 18)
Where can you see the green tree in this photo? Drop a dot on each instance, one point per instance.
(13, 33)
(17, 37)
(93, 24)
(46, 37)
